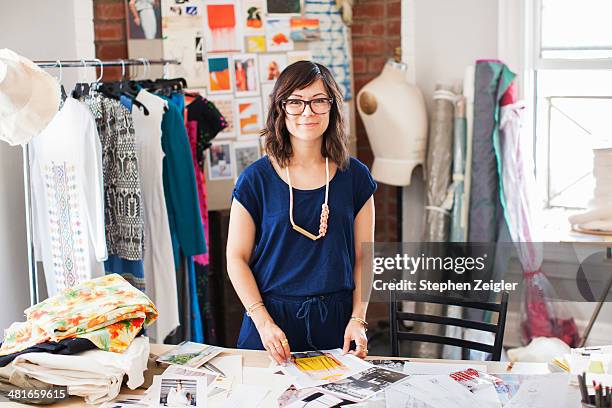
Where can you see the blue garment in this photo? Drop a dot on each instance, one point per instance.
(180, 188)
(127, 102)
(197, 326)
(287, 263)
(179, 100)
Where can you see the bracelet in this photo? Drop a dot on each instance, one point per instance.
(360, 320)
(253, 307)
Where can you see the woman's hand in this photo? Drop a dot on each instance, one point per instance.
(273, 339)
(355, 332)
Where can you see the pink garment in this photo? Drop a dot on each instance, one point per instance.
(192, 131)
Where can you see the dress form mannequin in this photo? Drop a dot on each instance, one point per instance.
(394, 115)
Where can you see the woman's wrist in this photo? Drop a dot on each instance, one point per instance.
(260, 317)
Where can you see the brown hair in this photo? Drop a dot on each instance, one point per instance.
(300, 75)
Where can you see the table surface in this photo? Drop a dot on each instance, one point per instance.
(255, 358)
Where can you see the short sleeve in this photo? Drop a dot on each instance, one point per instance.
(245, 193)
(363, 185)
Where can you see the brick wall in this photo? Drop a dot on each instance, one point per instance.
(376, 32)
(110, 34)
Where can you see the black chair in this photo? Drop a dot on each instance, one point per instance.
(396, 317)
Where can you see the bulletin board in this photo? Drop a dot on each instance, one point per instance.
(232, 51)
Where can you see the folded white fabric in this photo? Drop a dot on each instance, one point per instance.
(95, 375)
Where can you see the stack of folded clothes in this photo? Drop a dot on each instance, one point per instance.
(84, 339)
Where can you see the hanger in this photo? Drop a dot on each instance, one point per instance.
(62, 89)
(130, 90)
(81, 88)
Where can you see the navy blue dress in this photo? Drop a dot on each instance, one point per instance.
(307, 286)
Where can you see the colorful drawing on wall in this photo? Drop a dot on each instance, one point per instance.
(284, 6)
(256, 43)
(220, 161)
(271, 65)
(278, 35)
(249, 116)
(305, 29)
(223, 31)
(253, 14)
(266, 93)
(295, 56)
(245, 154)
(219, 75)
(143, 19)
(245, 75)
(225, 104)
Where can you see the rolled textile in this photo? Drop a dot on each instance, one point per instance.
(108, 311)
(95, 375)
(438, 203)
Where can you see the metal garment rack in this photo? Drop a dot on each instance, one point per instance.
(61, 64)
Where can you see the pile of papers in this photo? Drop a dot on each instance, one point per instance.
(596, 362)
(199, 375)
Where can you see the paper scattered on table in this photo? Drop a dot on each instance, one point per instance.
(439, 391)
(244, 395)
(175, 370)
(365, 384)
(537, 391)
(311, 397)
(264, 377)
(190, 354)
(398, 398)
(178, 390)
(414, 368)
(397, 365)
(127, 400)
(230, 365)
(314, 368)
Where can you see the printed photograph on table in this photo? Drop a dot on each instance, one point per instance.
(266, 93)
(278, 34)
(179, 391)
(250, 117)
(127, 400)
(284, 6)
(270, 66)
(220, 161)
(365, 384)
(245, 154)
(295, 56)
(314, 368)
(305, 29)
(256, 43)
(225, 104)
(245, 75)
(190, 354)
(222, 28)
(143, 19)
(219, 75)
(175, 370)
(253, 14)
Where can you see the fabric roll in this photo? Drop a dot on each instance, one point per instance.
(438, 204)
(492, 79)
(458, 231)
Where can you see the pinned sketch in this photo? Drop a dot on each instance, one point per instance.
(222, 29)
(246, 153)
(253, 12)
(278, 34)
(143, 19)
(284, 6)
(245, 75)
(250, 120)
(219, 75)
(256, 43)
(220, 161)
(270, 66)
(305, 29)
(225, 105)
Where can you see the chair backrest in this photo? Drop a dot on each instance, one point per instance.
(396, 317)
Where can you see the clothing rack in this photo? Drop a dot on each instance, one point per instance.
(82, 63)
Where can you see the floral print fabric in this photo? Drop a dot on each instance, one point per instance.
(108, 311)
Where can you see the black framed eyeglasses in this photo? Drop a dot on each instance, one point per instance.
(319, 106)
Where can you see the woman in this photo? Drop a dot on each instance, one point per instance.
(297, 222)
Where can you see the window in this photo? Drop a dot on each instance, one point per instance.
(572, 81)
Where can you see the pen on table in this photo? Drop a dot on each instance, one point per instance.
(583, 391)
(598, 396)
(212, 367)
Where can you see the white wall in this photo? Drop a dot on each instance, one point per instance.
(39, 30)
